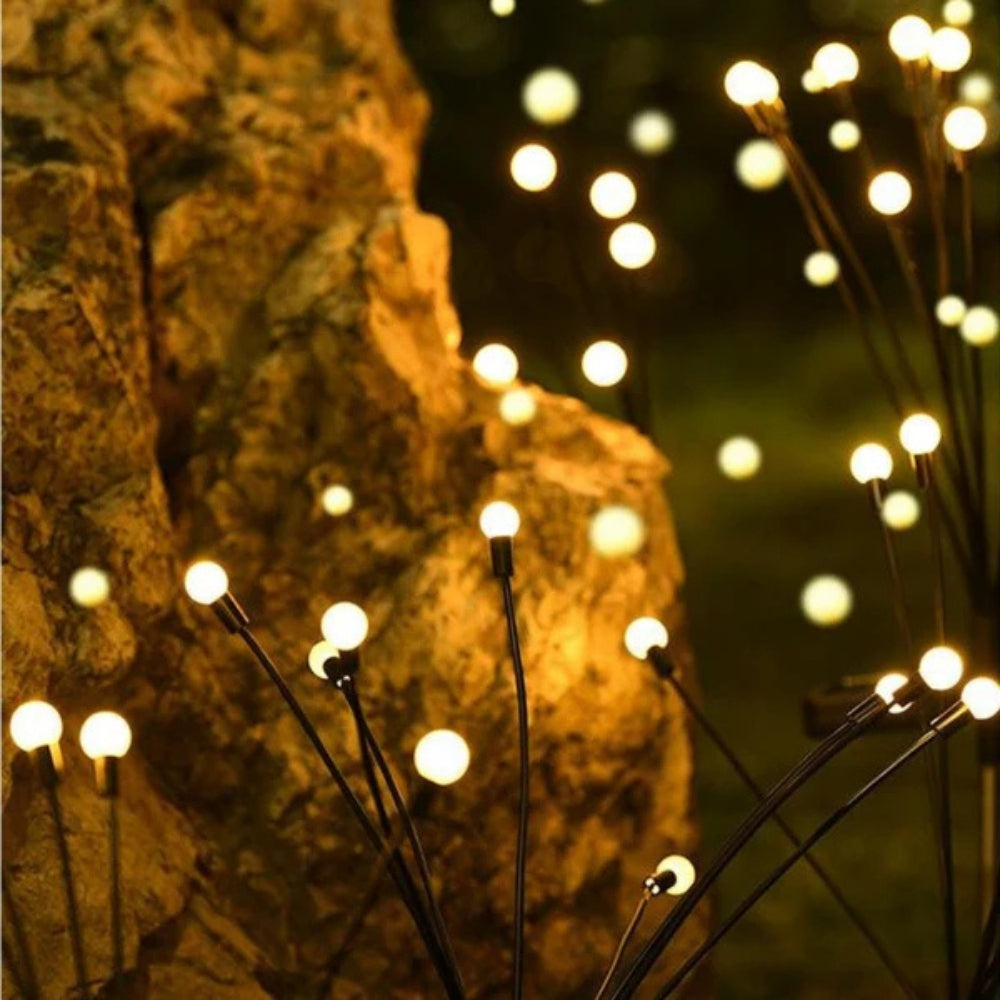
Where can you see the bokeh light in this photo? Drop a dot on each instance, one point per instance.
(826, 600)
(550, 96)
(950, 49)
(337, 500)
(518, 407)
(980, 326)
(495, 365)
(604, 363)
(890, 192)
(964, 128)
(900, 510)
(845, 135)
(760, 164)
(617, 531)
(89, 587)
(821, 268)
(533, 167)
(739, 457)
(612, 194)
(651, 132)
(950, 310)
(632, 245)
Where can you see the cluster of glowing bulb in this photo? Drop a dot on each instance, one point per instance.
(950, 310)
(344, 625)
(826, 600)
(632, 245)
(941, 668)
(760, 164)
(337, 500)
(616, 532)
(845, 135)
(319, 654)
(604, 363)
(533, 167)
(35, 724)
(206, 582)
(889, 192)
(900, 510)
(920, 434)
(886, 689)
(964, 128)
(499, 519)
(910, 38)
(651, 132)
(871, 461)
(441, 757)
(739, 457)
(958, 13)
(612, 195)
(643, 634)
(835, 63)
(105, 734)
(518, 406)
(89, 587)
(980, 326)
(981, 696)
(550, 96)
(950, 49)
(747, 83)
(821, 268)
(682, 870)
(495, 365)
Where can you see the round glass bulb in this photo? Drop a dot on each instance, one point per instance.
(920, 434)
(748, 83)
(812, 81)
(826, 600)
(682, 870)
(910, 38)
(499, 519)
(550, 96)
(871, 461)
(836, 63)
(35, 724)
(643, 634)
(845, 135)
(900, 510)
(886, 689)
(89, 586)
(344, 625)
(205, 582)
(612, 195)
(337, 500)
(632, 245)
(604, 363)
(503, 8)
(533, 167)
(976, 88)
(941, 668)
(616, 532)
(950, 49)
(981, 696)
(518, 407)
(105, 734)
(964, 128)
(821, 268)
(890, 192)
(651, 132)
(495, 365)
(319, 654)
(958, 13)
(760, 164)
(441, 756)
(950, 310)
(739, 457)
(980, 326)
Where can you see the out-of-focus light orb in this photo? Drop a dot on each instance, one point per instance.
(499, 519)
(976, 88)
(651, 132)
(105, 734)
(980, 326)
(845, 135)
(890, 192)
(518, 407)
(950, 310)
(337, 500)
(344, 625)
(550, 96)
(958, 13)
(319, 654)
(612, 194)
(533, 167)
(826, 600)
(886, 689)
(495, 365)
(643, 634)
(616, 531)
(821, 268)
(760, 164)
(604, 363)
(632, 245)
(441, 757)
(981, 696)
(910, 38)
(739, 457)
(35, 724)
(964, 127)
(748, 83)
(89, 586)
(950, 49)
(900, 510)
(941, 668)
(812, 81)
(503, 8)
(682, 870)
(871, 461)
(836, 63)
(920, 434)
(205, 582)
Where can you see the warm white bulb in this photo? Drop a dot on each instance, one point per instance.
(550, 96)
(964, 128)
(950, 49)
(533, 167)
(836, 63)
(205, 582)
(910, 38)
(976, 88)
(35, 724)
(889, 192)
(337, 500)
(499, 519)
(604, 363)
(319, 654)
(760, 164)
(920, 434)
(980, 326)
(981, 696)
(503, 8)
(89, 586)
(616, 531)
(871, 461)
(651, 132)
(632, 245)
(845, 135)
(344, 625)
(495, 365)
(643, 634)
(612, 195)
(739, 457)
(950, 310)
(105, 734)
(812, 81)
(748, 83)
(900, 510)
(441, 756)
(886, 689)
(826, 600)
(958, 13)
(518, 407)
(941, 668)
(821, 268)
(682, 870)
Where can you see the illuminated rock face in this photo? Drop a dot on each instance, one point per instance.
(221, 298)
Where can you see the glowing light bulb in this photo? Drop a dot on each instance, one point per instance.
(950, 49)
(499, 519)
(632, 245)
(920, 434)
(980, 326)
(950, 310)
(889, 192)
(205, 582)
(941, 668)
(964, 128)
(616, 531)
(910, 38)
(836, 63)
(604, 363)
(550, 96)
(682, 870)
(643, 634)
(900, 510)
(105, 734)
(886, 689)
(35, 724)
(337, 500)
(319, 654)
(976, 88)
(518, 407)
(981, 696)
(533, 167)
(826, 600)
(739, 457)
(845, 135)
(958, 13)
(871, 461)
(495, 365)
(651, 132)
(612, 195)
(748, 83)
(821, 268)
(760, 164)
(344, 625)
(503, 8)
(441, 756)
(89, 586)
(812, 81)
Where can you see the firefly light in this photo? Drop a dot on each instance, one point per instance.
(337, 500)
(499, 519)
(495, 365)
(871, 461)
(964, 128)
(35, 724)
(748, 83)
(89, 587)
(981, 696)
(319, 654)
(821, 268)
(900, 510)
(616, 531)
(632, 245)
(604, 363)
(518, 407)
(739, 457)
(845, 135)
(441, 756)
(950, 310)
(205, 582)
(889, 192)
(836, 63)
(612, 195)
(976, 88)
(550, 96)
(886, 689)
(643, 634)
(682, 870)
(920, 434)
(826, 600)
(958, 13)
(980, 326)
(105, 734)
(910, 38)
(503, 8)
(760, 164)
(651, 132)
(344, 625)
(950, 49)
(941, 668)
(533, 167)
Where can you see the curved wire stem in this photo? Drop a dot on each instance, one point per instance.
(115, 895)
(23, 969)
(633, 926)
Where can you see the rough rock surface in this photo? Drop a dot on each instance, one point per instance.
(220, 297)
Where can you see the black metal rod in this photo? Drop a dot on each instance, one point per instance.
(633, 926)
(117, 941)
(989, 943)
(28, 983)
(897, 592)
